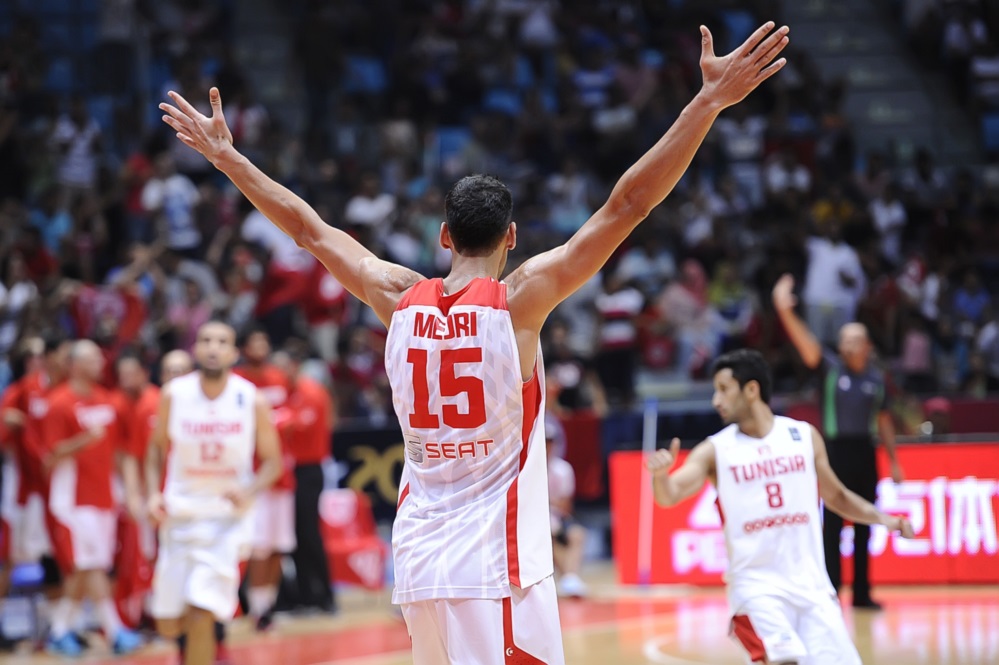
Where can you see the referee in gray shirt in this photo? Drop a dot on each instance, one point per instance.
(854, 409)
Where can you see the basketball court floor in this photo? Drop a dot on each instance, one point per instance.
(624, 626)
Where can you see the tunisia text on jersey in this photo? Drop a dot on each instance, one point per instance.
(212, 442)
(472, 518)
(769, 500)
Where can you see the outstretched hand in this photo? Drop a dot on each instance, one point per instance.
(209, 136)
(728, 79)
(661, 462)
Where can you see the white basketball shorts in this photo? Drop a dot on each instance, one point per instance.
(274, 523)
(520, 630)
(773, 630)
(198, 566)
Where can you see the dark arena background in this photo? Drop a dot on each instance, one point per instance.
(868, 169)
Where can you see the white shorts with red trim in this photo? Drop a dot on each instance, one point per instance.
(774, 630)
(84, 538)
(520, 630)
(27, 538)
(274, 523)
(197, 565)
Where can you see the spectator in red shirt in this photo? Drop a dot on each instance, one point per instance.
(81, 434)
(308, 432)
(274, 533)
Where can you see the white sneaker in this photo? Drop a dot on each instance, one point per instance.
(573, 586)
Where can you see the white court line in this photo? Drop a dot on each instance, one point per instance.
(652, 650)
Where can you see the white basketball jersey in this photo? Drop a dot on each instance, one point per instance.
(472, 517)
(212, 442)
(769, 502)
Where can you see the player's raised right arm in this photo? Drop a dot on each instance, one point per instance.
(547, 279)
(672, 488)
(372, 280)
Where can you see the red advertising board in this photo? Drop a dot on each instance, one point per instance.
(951, 494)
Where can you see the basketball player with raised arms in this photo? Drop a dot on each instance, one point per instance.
(472, 538)
(210, 425)
(770, 473)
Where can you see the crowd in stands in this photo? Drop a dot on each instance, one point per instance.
(118, 232)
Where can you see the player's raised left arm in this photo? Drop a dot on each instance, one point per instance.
(845, 503)
(544, 281)
(375, 282)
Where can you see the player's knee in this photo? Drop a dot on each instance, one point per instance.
(168, 628)
(576, 534)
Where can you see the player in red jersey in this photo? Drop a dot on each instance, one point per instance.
(308, 431)
(472, 551)
(274, 510)
(82, 432)
(24, 411)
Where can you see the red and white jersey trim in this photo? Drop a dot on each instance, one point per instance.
(472, 517)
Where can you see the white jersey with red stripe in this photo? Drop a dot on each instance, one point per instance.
(212, 442)
(472, 517)
(769, 500)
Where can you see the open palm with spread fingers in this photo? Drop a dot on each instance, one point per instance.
(209, 136)
(728, 79)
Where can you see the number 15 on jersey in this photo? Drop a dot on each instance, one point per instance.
(450, 384)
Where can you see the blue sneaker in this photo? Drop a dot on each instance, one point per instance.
(126, 641)
(67, 645)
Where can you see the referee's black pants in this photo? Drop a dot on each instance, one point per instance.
(853, 460)
(311, 570)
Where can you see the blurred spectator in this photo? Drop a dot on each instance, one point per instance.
(833, 285)
(52, 220)
(735, 304)
(370, 210)
(573, 383)
(686, 310)
(971, 300)
(17, 296)
(187, 316)
(889, 217)
(170, 197)
(618, 306)
(77, 140)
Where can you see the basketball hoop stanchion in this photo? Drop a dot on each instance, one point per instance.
(645, 499)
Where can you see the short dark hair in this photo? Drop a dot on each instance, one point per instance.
(746, 365)
(53, 341)
(477, 210)
(246, 333)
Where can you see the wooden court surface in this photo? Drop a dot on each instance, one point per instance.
(624, 626)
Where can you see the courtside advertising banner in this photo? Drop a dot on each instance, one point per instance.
(950, 493)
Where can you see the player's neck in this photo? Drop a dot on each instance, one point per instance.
(759, 423)
(212, 386)
(466, 268)
(81, 386)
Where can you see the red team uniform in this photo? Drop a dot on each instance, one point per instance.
(274, 509)
(24, 504)
(472, 524)
(81, 499)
